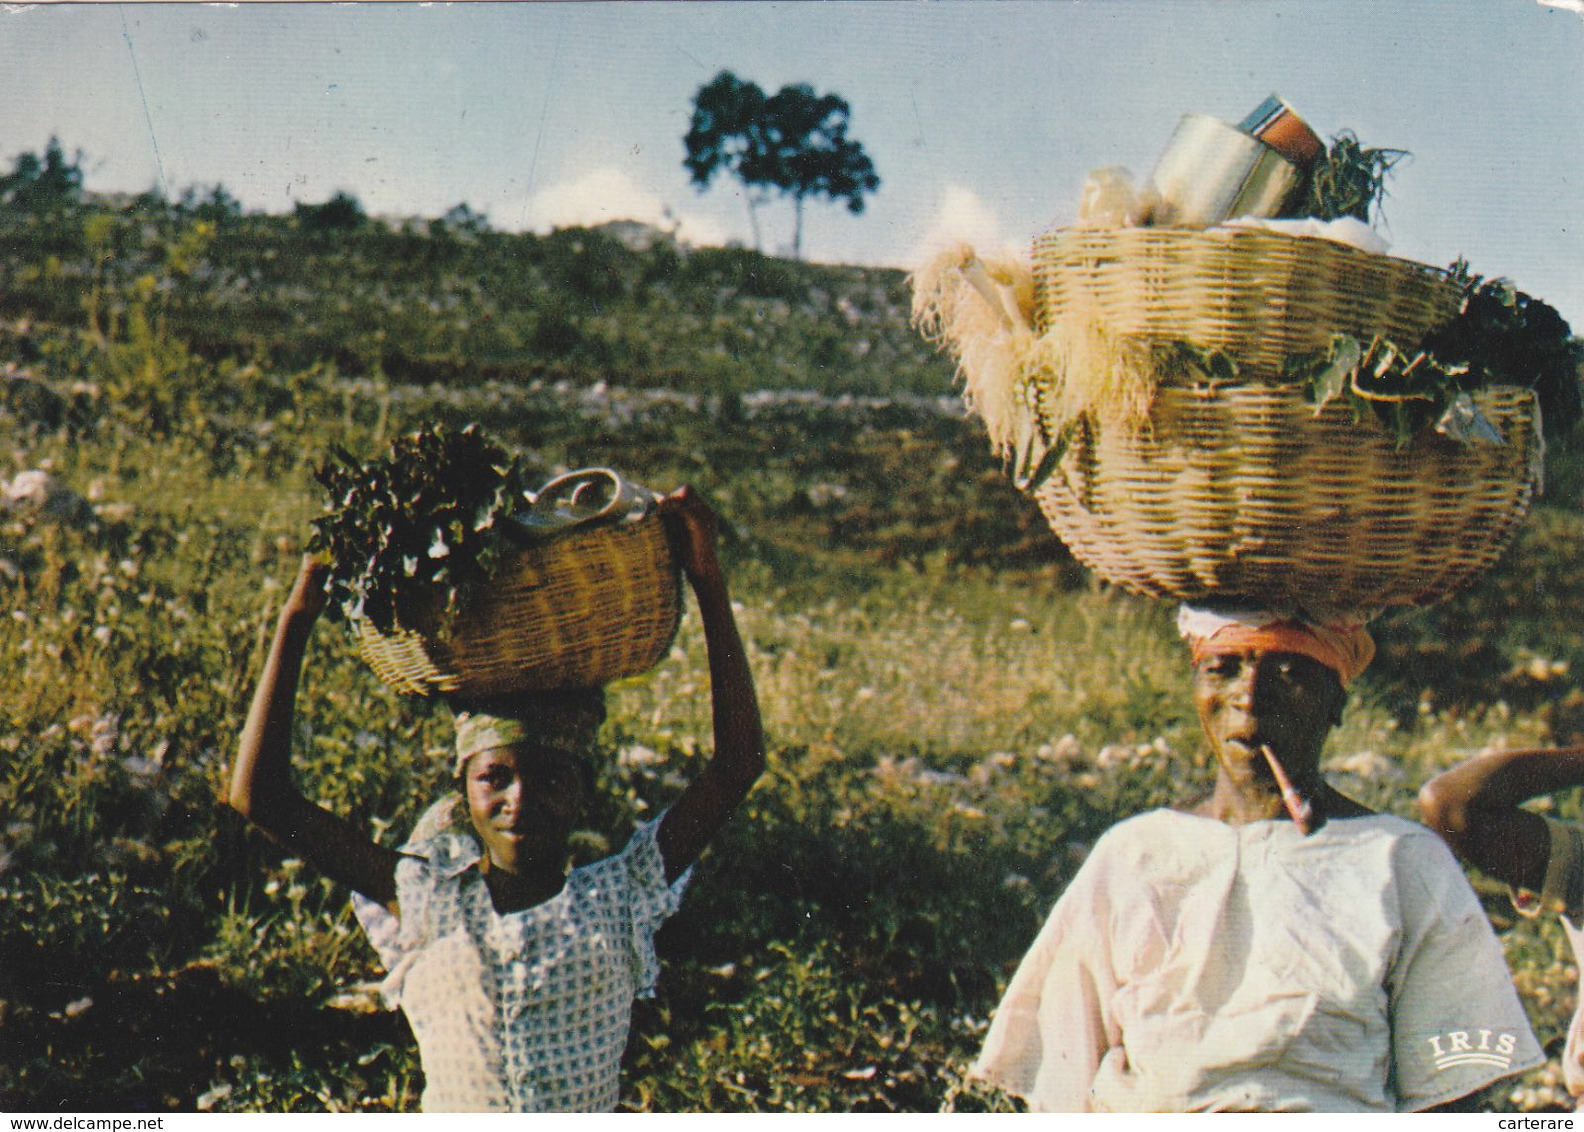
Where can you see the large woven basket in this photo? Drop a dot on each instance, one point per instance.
(586, 607)
(1259, 295)
(1244, 491)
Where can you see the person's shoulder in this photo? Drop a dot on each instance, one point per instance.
(1420, 861)
(1148, 833)
(444, 815)
(1406, 840)
(1150, 820)
(440, 841)
(1150, 825)
(1400, 831)
(1156, 846)
(642, 841)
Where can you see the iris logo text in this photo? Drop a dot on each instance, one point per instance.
(1472, 1047)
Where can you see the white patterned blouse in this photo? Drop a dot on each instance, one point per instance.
(527, 1011)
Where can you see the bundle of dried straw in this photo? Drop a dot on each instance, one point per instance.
(1028, 387)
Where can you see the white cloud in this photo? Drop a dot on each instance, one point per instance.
(603, 195)
(961, 217)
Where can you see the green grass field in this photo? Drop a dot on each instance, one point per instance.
(955, 710)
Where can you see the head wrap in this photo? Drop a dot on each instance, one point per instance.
(567, 719)
(1341, 644)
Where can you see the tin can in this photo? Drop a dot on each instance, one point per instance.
(1279, 126)
(1211, 171)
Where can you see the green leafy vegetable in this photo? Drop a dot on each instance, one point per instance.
(1349, 180)
(423, 516)
(1505, 337)
(1500, 336)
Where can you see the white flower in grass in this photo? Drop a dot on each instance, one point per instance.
(77, 1006)
(637, 755)
(1370, 765)
(214, 1096)
(104, 734)
(1065, 750)
(928, 777)
(1117, 754)
(143, 772)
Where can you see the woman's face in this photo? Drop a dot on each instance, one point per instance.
(525, 802)
(1281, 700)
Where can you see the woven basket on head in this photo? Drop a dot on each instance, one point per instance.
(591, 605)
(1260, 296)
(1244, 491)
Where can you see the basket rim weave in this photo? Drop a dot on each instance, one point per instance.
(1259, 295)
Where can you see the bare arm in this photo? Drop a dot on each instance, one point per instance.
(262, 789)
(739, 759)
(1475, 807)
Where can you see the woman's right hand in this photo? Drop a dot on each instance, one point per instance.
(309, 593)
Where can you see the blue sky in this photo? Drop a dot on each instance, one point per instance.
(982, 118)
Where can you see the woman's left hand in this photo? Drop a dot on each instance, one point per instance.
(701, 810)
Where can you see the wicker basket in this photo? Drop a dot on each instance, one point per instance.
(1256, 294)
(589, 606)
(1244, 491)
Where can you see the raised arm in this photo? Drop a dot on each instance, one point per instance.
(262, 789)
(738, 760)
(1475, 807)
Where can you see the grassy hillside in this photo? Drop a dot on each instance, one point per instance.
(431, 302)
(955, 711)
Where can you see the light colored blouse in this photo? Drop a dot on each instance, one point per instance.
(527, 1011)
(1196, 965)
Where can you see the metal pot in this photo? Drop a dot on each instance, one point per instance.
(1211, 171)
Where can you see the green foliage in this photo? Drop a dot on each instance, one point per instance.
(432, 304)
(770, 1047)
(1500, 336)
(341, 213)
(1349, 179)
(416, 524)
(217, 205)
(43, 186)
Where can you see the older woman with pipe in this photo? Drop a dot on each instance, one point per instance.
(1274, 946)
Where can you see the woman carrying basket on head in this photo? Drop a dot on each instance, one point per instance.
(1275, 946)
(517, 975)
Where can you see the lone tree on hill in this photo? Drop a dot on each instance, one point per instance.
(793, 142)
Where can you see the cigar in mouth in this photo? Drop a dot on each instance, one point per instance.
(1298, 807)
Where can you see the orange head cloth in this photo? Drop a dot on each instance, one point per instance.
(1345, 649)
